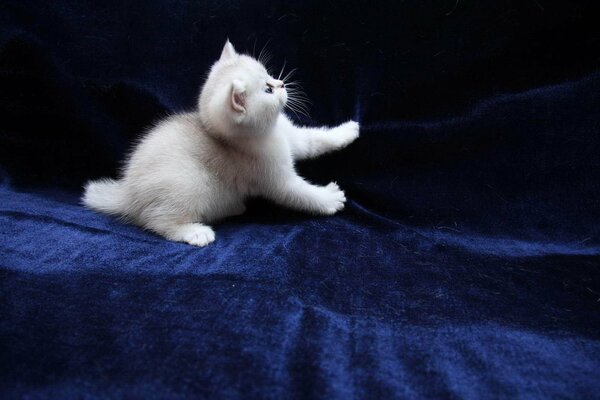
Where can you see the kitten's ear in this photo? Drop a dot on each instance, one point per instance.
(238, 96)
(228, 51)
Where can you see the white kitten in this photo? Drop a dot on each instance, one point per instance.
(199, 167)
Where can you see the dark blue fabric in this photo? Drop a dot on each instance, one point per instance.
(467, 262)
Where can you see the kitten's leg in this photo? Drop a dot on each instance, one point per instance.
(192, 233)
(296, 193)
(312, 142)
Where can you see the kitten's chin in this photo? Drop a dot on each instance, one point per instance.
(253, 127)
(283, 100)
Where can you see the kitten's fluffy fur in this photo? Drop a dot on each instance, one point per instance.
(196, 168)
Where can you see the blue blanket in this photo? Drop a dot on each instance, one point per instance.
(467, 261)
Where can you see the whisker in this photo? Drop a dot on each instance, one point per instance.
(301, 104)
(297, 92)
(295, 113)
(303, 111)
(294, 86)
(265, 61)
(298, 106)
(291, 107)
(293, 101)
(262, 50)
(298, 111)
(264, 56)
(289, 74)
(298, 97)
(282, 68)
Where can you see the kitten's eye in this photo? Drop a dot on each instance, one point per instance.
(269, 89)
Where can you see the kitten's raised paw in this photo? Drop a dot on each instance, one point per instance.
(347, 132)
(194, 234)
(333, 199)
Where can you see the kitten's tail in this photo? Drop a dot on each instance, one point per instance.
(104, 195)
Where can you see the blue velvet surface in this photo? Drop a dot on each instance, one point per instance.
(466, 264)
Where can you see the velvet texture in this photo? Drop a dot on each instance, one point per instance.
(467, 261)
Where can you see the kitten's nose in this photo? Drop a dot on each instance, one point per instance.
(277, 84)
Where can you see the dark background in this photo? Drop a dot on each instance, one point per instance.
(465, 265)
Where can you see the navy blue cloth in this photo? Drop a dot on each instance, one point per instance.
(465, 265)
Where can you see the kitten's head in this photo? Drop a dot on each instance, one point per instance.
(239, 95)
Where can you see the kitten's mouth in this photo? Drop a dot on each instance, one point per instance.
(283, 98)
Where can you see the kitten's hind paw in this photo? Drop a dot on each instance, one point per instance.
(194, 234)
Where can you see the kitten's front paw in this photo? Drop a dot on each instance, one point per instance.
(194, 234)
(333, 199)
(347, 132)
